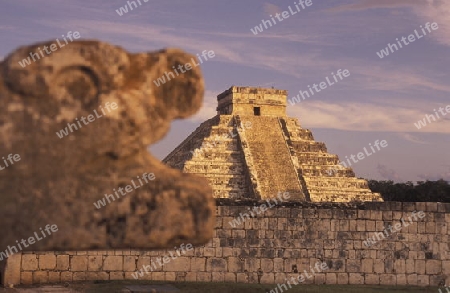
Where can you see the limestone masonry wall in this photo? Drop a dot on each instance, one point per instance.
(294, 234)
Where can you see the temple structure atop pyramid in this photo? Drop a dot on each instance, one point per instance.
(251, 149)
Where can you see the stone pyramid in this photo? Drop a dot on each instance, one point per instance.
(251, 149)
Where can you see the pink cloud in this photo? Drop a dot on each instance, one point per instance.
(387, 173)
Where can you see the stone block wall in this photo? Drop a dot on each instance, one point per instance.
(277, 242)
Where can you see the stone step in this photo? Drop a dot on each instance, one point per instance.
(271, 158)
(322, 172)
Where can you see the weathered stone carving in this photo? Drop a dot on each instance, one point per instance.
(111, 110)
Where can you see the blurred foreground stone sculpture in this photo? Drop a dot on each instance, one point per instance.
(58, 178)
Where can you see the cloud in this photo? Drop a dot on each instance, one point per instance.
(412, 138)
(433, 177)
(235, 50)
(6, 27)
(437, 11)
(400, 80)
(271, 9)
(208, 109)
(155, 35)
(427, 10)
(387, 173)
(370, 75)
(372, 4)
(365, 116)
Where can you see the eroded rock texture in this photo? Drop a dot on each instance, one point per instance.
(59, 177)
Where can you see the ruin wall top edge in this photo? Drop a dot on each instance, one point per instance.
(383, 206)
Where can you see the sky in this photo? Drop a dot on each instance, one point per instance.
(381, 99)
